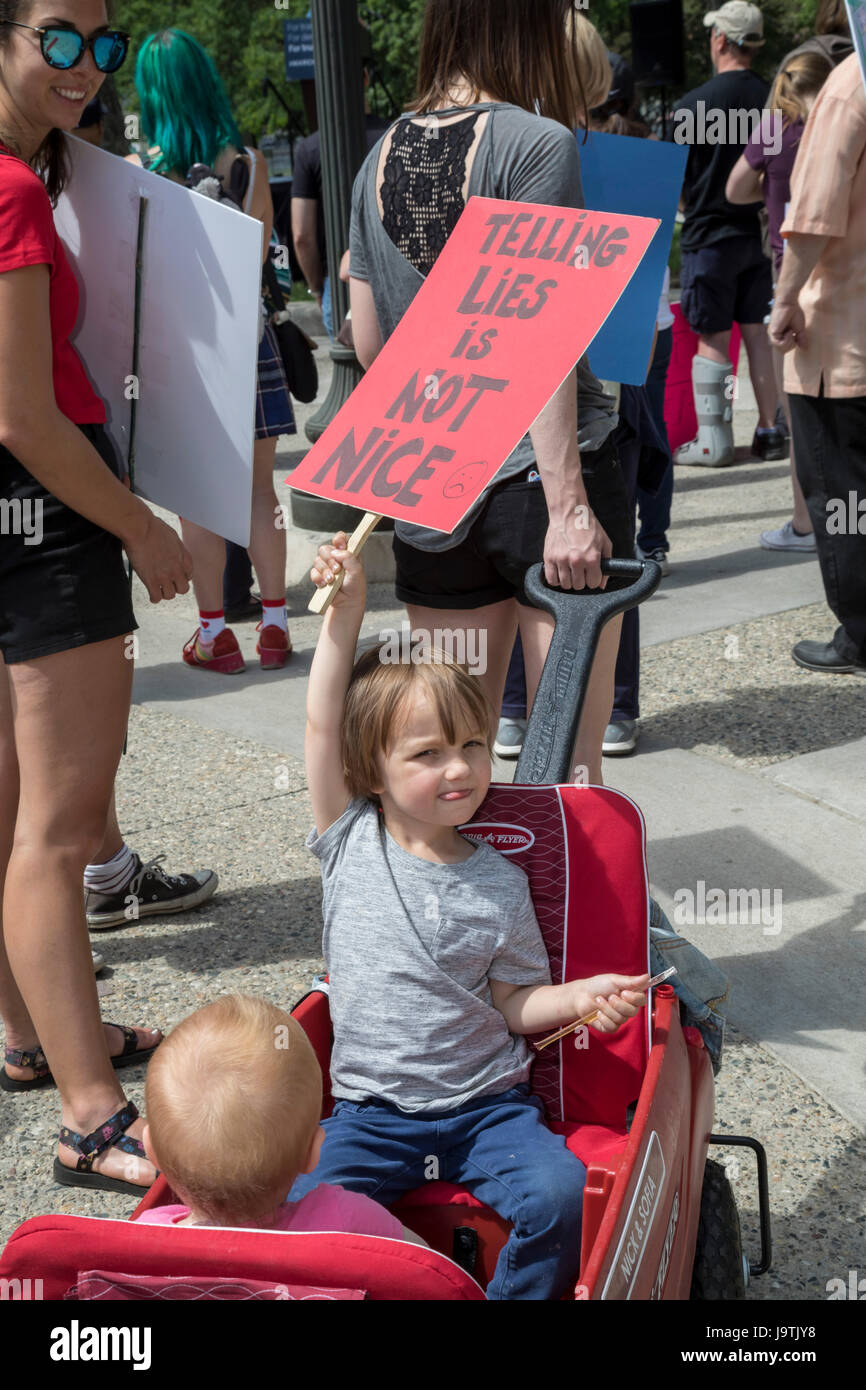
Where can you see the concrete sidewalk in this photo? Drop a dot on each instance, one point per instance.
(751, 774)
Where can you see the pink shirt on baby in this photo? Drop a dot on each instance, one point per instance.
(326, 1208)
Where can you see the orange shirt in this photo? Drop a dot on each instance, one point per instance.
(828, 198)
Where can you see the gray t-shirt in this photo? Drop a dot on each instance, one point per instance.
(522, 158)
(410, 948)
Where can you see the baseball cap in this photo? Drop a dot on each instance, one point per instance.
(740, 22)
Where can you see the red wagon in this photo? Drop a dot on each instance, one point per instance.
(659, 1218)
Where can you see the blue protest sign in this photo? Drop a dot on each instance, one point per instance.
(298, 42)
(643, 178)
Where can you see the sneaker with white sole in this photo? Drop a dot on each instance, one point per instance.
(509, 738)
(786, 538)
(620, 738)
(98, 962)
(149, 891)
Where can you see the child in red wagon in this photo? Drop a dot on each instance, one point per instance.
(233, 1102)
(436, 960)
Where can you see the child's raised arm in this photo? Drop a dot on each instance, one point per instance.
(329, 680)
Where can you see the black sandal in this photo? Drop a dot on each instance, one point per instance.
(130, 1056)
(87, 1146)
(35, 1059)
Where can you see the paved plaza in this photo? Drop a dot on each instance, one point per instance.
(751, 774)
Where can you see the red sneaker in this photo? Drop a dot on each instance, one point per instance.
(224, 657)
(273, 646)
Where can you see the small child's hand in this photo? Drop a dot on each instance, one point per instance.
(331, 561)
(617, 998)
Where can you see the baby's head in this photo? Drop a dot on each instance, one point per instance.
(233, 1098)
(415, 732)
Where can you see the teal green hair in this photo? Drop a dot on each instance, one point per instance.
(184, 107)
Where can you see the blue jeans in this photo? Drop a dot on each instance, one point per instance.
(498, 1147)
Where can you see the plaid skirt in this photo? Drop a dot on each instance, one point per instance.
(274, 413)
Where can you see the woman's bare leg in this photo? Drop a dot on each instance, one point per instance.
(267, 539)
(20, 1032)
(209, 561)
(496, 626)
(489, 636)
(801, 518)
(70, 712)
(112, 840)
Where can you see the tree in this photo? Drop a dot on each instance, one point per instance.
(245, 40)
(786, 23)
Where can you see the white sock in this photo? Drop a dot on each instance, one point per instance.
(111, 877)
(274, 614)
(211, 624)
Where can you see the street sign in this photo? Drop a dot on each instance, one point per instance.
(298, 42)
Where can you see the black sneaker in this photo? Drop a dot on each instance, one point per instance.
(149, 891)
(770, 446)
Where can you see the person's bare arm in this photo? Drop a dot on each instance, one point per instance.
(304, 224)
(575, 543)
(262, 204)
(366, 332)
(745, 184)
(534, 1008)
(787, 322)
(56, 452)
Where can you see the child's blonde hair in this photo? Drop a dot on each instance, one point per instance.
(802, 77)
(233, 1099)
(376, 700)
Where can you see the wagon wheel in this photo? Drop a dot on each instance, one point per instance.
(718, 1270)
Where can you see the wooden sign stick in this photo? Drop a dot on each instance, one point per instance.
(323, 598)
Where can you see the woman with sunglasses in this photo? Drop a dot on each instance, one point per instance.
(65, 610)
(500, 92)
(185, 113)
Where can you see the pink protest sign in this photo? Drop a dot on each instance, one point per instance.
(516, 297)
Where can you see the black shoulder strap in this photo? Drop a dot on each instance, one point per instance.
(239, 182)
(272, 287)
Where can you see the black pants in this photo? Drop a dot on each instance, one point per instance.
(830, 448)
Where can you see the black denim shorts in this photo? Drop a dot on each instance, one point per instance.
(507, 538)
(725, 283)
(62, 579)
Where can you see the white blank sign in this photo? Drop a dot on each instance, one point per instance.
(198, 339)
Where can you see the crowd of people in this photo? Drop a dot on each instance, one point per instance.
(398, 755)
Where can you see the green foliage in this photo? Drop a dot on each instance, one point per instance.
(245, 39)
(395, 29)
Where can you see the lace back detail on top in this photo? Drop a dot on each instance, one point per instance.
(422, 186)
